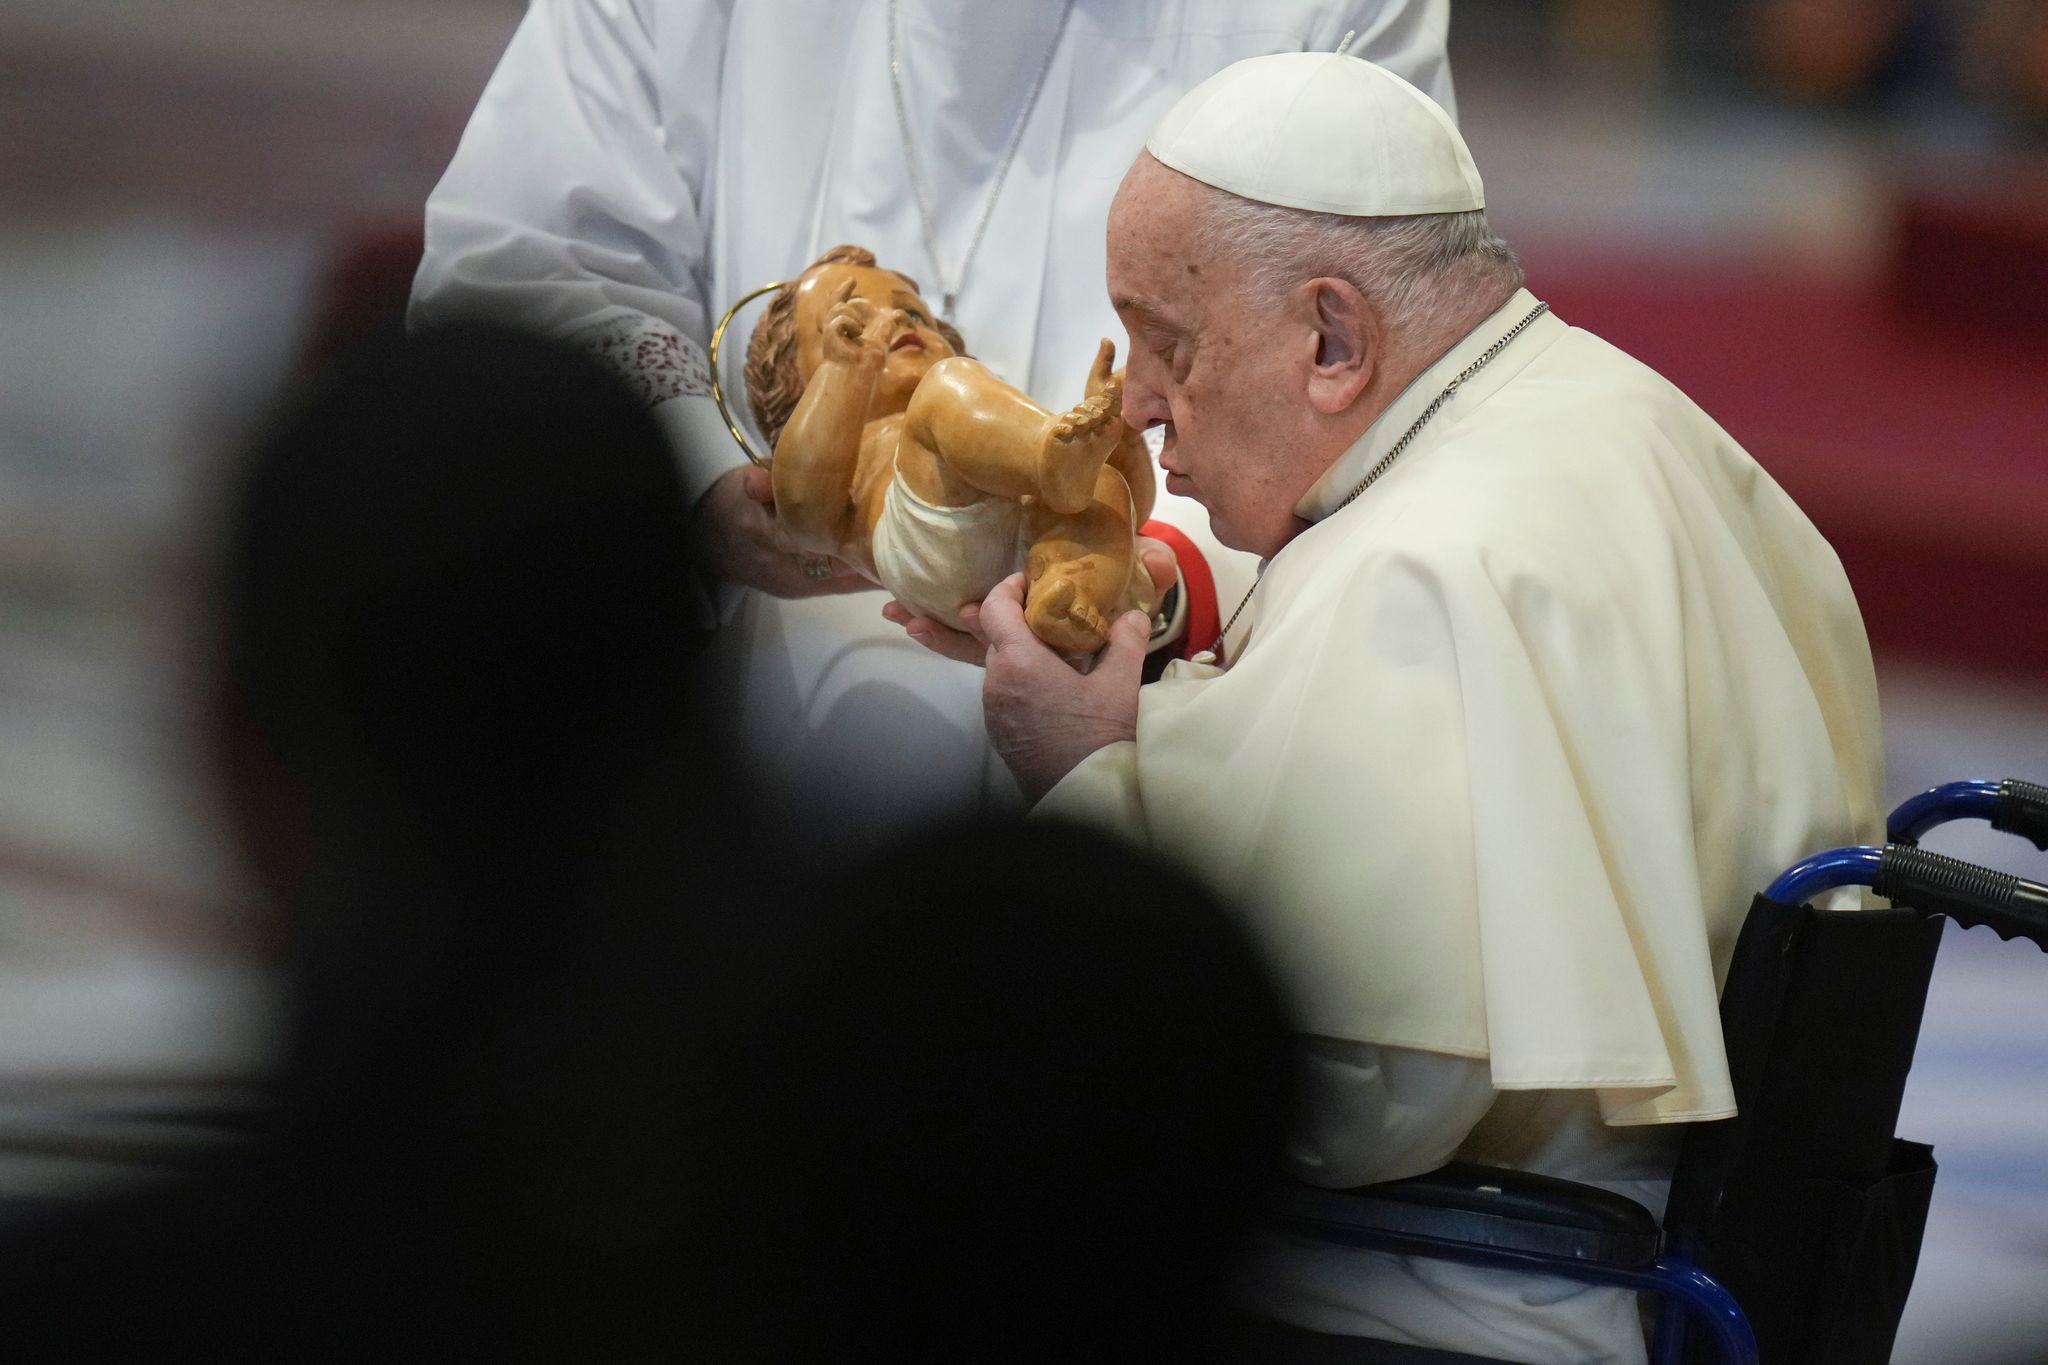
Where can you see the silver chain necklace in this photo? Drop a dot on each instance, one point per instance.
(1386, 461)
(950, 288)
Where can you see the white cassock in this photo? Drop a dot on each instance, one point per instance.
(636, 165)
(1508, 745)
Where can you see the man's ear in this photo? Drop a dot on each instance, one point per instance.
(1347, 331)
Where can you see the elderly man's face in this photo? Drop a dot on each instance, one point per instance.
(1215, 369)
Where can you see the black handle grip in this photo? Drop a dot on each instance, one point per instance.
(2022, 809)
(1968, 894)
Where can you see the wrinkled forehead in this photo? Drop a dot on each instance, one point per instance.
(1154, 233)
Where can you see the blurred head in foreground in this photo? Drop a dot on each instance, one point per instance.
(998, 1121)
(452, 725)
(457, 619)
(456, 595)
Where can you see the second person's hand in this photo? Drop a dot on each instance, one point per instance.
(740, 541)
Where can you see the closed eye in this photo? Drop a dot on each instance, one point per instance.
(1174, 351)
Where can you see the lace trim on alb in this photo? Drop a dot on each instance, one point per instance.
(655, 360)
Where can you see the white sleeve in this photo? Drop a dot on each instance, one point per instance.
(1370, 1113)
(575, 205)
(1407, 39)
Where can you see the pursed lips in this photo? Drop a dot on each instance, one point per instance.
(1177, 482)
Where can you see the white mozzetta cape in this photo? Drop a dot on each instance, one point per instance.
(1515, 735)
(636, 165)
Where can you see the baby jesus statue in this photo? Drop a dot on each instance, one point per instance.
(902, 456)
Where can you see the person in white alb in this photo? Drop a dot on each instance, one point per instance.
(1542, 677)
(637, 165)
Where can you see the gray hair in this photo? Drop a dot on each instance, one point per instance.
(1420, 270)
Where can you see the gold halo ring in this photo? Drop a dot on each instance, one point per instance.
(718, 389)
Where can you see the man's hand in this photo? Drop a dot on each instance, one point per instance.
(739, 540)
(1043, 715)
(971, 647)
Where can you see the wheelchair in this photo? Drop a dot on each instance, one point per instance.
(1793, 1229)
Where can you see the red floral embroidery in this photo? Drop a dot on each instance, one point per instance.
(659, 362)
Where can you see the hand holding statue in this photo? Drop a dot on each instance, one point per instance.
(739, 540)
(965, 645)
(1045, 715)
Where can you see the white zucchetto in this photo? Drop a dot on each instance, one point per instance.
(1320, 131)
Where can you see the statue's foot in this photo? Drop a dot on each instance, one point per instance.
(1077, 445)
(1059, 614)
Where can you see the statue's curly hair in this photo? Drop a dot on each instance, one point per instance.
(773, 384)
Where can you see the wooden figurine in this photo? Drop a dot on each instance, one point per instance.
(906, 458)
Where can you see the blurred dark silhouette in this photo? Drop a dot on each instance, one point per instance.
(452, 721)
(1014, 1101)
(577, 1068)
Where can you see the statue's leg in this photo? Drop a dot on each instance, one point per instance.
(993, 438)
(1133, 458)
(1080, 566)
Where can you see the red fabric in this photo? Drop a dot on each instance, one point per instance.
(364, 285)
(1198, 583)
(1916, 449)
(1979, 260)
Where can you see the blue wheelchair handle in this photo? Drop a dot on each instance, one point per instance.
(1824, 872)
(2011, 807)
(1930, 883)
